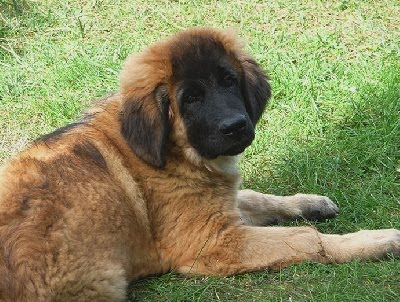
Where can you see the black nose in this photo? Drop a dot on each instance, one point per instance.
(233, 125)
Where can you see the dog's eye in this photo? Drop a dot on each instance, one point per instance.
(193, 94)
(228, 80)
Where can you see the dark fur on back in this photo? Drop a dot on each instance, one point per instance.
(59, 132)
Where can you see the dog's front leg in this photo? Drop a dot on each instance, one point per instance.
(245, 248)
(265, 209)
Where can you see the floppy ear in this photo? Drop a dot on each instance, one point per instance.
(145, 126)
(255, 88)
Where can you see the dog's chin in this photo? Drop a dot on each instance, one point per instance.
(215, 146)
(235, 150)
(238, 147)
(232, 150)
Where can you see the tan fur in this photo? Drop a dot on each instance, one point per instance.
(81, 215)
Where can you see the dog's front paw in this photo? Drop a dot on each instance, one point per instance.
(362, 245)
(316, 207)
(379, 243)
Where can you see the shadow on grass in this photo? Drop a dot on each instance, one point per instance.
(13, 8)
(27, 16)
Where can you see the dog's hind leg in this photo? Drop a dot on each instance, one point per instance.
(99, 282)
(264, 209)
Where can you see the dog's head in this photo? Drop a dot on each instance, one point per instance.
(197, 89)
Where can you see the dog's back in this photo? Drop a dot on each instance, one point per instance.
(61, 205)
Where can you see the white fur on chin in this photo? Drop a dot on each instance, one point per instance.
(227, 165)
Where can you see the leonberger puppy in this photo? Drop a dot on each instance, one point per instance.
(146, 183)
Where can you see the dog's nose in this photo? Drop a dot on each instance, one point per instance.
(233, 125)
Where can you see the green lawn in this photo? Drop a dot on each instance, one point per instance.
(332, 127)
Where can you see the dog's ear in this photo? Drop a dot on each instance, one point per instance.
(145, 125)
(255, 88)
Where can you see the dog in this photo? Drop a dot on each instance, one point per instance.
(146, 183)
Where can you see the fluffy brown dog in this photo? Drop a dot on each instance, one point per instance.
(147, 183)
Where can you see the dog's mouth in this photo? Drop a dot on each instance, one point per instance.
(231, 151)
(238, 145)
(215, 145)
(238, 148)
(234, 151)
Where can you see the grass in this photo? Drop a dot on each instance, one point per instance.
(333, 125)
